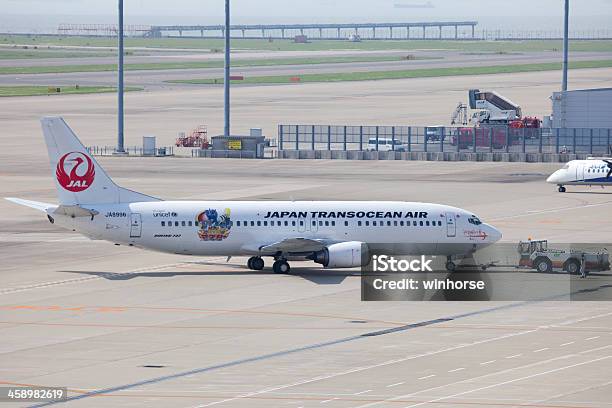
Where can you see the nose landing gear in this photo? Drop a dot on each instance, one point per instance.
(450, 265)
(561, 189)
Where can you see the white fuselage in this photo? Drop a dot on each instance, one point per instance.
(582, 172)
(231, 228)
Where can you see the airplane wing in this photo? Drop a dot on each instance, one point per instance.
(295, 245)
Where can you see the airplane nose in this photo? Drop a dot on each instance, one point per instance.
(494, 234)
(553, 178)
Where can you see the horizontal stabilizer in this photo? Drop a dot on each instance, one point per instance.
(37, 205)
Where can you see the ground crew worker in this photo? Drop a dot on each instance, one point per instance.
(582, 266)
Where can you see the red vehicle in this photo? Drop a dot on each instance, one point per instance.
(484, 137)
(197, 138)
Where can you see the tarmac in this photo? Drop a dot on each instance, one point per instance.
(120, 326)
(153, 79)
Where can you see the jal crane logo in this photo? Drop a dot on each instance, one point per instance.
(80, 172)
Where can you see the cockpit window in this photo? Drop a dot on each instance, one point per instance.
(474, 220)
(566, 166)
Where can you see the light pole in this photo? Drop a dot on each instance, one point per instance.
(565, 45)
(120, 147)
(226, 73)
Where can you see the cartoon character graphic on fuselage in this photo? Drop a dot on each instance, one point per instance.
(590, 172)
(335, 234)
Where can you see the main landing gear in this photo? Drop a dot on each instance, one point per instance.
(255, 263)
(281, 266)
(561, 189)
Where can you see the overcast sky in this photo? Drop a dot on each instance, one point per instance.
(506, 14)
(323, 9)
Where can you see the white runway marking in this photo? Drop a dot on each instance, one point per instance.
(488, 362)
(595, 349)
(362, 392)
(395, 385)
(592, 338)
(326, 401)
(566, 344)
(554, 210)
(401, 360)
(466, 381)
(542, 349)
(359, 369)
(456, 369)
(93, 277)
(509, 381)
(514, 356)
(427, 376)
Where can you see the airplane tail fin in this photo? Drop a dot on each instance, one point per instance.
(79, 178)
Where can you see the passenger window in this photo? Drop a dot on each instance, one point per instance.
(190, 224)
(176, 223)
(414, 223)
(287, 223)
(293, 223)
(395, 223)
(388, 223)
(327, 223)
(314, 223)
(237, 223)
(401, 223)
(301, 223)
(421, 223)
(278, 223)
(374, 223)
(169, 223)
(333, 223)
(196, 223)
(439, 223)
(359, 223)
(163, 223)
(252, 223)
(346, 223)
(427, 223)
(259, 223)
(320, 223)
(183, 223)
(367, 223)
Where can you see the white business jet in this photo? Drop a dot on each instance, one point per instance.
(336, 234)
(590, 172)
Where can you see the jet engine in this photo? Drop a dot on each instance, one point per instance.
(342, 255)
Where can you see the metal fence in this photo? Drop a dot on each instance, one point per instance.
(444, 139)
(131, 150)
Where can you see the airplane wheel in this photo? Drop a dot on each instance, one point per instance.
(281, 266)
(451, 266)
(257, 263)
(561, 189)
(250, 262)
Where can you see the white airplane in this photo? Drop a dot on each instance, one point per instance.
(590, 172)
(336, 234)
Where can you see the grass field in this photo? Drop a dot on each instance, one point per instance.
(44, 90)
(415, 73)
(314, 45)
(37, 53)
(197, 64)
